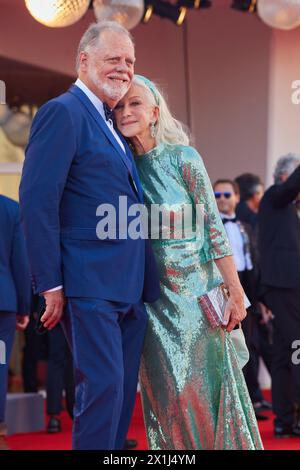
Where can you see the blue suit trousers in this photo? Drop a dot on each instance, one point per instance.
(106, 339)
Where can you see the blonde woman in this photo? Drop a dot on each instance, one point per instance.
(193, 391)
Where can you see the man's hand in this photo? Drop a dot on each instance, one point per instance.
(22, 322)
(55, 302)
(235, 310)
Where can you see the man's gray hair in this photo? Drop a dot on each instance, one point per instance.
(285, 166)
(91, 37)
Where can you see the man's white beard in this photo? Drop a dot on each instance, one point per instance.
(113, 91)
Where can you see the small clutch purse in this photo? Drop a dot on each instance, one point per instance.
(213, 304)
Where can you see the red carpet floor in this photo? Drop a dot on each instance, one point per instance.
(62, 441)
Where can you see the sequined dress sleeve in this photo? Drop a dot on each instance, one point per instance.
(195, 178)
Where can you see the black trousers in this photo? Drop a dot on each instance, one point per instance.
(257, 339)
(35, 349)
(51, 346)
(285, 305)
(250, 330)
(60, 374)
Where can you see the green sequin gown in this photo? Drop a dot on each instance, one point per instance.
(193, 391)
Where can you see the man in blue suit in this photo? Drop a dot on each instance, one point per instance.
(75, 162)
(15, 292)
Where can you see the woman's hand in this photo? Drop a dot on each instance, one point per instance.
(235, 310)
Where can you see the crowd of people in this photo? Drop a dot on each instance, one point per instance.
(128, 305)
(263, 229)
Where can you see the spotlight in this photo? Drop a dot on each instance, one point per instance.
(244, 5)
(164, 9)
(148, 12)
(194, 3)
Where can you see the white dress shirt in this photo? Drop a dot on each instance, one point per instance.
(99, 106)
(242, 260)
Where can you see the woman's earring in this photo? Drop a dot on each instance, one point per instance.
(152, 129)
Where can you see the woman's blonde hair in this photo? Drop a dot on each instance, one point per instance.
(167, 129)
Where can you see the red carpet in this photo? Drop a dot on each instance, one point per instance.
(62, 441)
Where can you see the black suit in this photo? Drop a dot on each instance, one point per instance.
(279, 243)
(246, 215)
(279, 234)
(60, 363)
(258, 335)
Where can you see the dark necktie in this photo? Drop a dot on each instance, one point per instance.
(234, 219)
(109, 114)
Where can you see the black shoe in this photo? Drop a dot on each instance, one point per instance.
(262, 405)
(287, 431)
(260, 417)
(130, 444)
(296, 429)
(54, 425)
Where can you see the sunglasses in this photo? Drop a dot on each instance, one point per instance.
(226, 194)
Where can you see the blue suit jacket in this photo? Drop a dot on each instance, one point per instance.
(15, 287)
(73, 164)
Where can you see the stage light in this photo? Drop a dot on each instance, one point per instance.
(164, 9)
(245, 5)
(181, 17)
(196, 4)
(148, 13)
